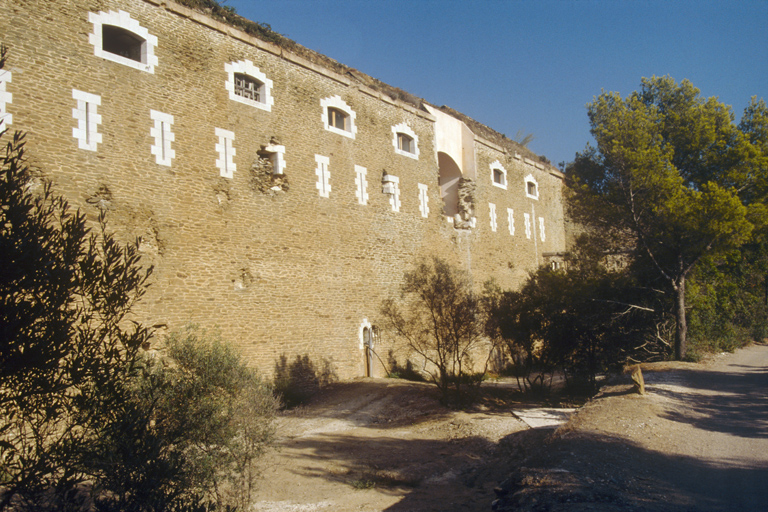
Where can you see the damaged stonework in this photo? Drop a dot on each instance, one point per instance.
(102, 198)
(242, 280)
(221, 189)
(464, 219)
(267, 171)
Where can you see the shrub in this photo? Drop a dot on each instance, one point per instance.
(295, 383)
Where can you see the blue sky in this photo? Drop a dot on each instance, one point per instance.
(531, 66)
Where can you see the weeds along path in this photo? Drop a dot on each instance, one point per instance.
(384, 444)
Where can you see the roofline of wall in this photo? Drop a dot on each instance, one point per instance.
(238, 34)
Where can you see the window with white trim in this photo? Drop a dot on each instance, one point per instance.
(338, 117)
(226, 149)
(247, 84)
(423, 200)
(511, 221)
(492, 211)
(527, 217)
(323, 176)
(531, 187)
(390, 185)
(276, 155)
(405, 141)
(361, 184)
(163, 135)
(5, 99)
(88, 120)
(119, 38)
(541, 229)
(498, 175)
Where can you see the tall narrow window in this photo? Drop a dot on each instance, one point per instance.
(163, 135)
(118, 37)
(423, 200)
(527, 217)
(247, 84)
(492, 212)
(338, 117)
(323, 176)
(88, 120)
(405, 141)
(511, 221)
(226, 149)
(390, 185)
(361, 184)
(5, 99)
(541, 229)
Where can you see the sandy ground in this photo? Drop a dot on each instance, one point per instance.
(697, 441)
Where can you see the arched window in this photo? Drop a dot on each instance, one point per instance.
(247, 84)
(498, 175)
(119, 38)
(531, 187)
(405, 141)
(338, 117)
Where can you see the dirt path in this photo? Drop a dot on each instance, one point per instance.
(697, 441)
(384, 444)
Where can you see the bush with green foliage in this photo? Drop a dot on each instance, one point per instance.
(442, 321)
(191, 431)
(297, 382)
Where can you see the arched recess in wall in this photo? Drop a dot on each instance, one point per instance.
(449, 173)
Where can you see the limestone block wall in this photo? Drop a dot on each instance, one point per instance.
(164, 146)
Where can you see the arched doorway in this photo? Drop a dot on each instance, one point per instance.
(450, 174)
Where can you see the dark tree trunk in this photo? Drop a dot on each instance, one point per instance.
(681, 332)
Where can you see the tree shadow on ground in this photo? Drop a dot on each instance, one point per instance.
(727, 402)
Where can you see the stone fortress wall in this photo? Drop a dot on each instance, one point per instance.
(269, 192)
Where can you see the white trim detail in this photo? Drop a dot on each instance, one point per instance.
(404, 128)
(337, 102)
(424, 200)
(123, 20)
(492, 212)
(163, 136)
(365, 324)
(5, 99)
(246, 67)
(88, 120)
(497, 166)
(226, 149)
(541, 229)
(527, 217)
(531, 179)
(323, 176)
(511, 221)
(361, 185)
(391, 185)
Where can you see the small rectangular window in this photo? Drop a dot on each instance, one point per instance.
(247, 87)
(122, 42)
(225, 148)
(337, 119)
(163, 136)
(323, 176)
(404, 143)
(492, 211)
(88, 120)
(423, 200)
(361, 184)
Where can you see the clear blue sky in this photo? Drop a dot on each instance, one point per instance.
(533, 65)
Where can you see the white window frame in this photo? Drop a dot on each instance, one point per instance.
(391, 185)
(276, 155)
(406, 130)
(424, 200)
(226, 149)
(164, 136)
(88, 120)
(246, 67)
(541, 229)
(361, 184)
(5, 99)
(492, 214)
(496, 166)
(511, 221)
(527, 217)
(531, 179)
(323, 175)
(337, 103)
(123, 20)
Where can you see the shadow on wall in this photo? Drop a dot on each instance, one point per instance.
(296, 382)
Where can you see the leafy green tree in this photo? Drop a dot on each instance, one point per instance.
(673, 178)
(441, 320)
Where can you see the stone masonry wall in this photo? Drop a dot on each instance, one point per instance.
(282, 272)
